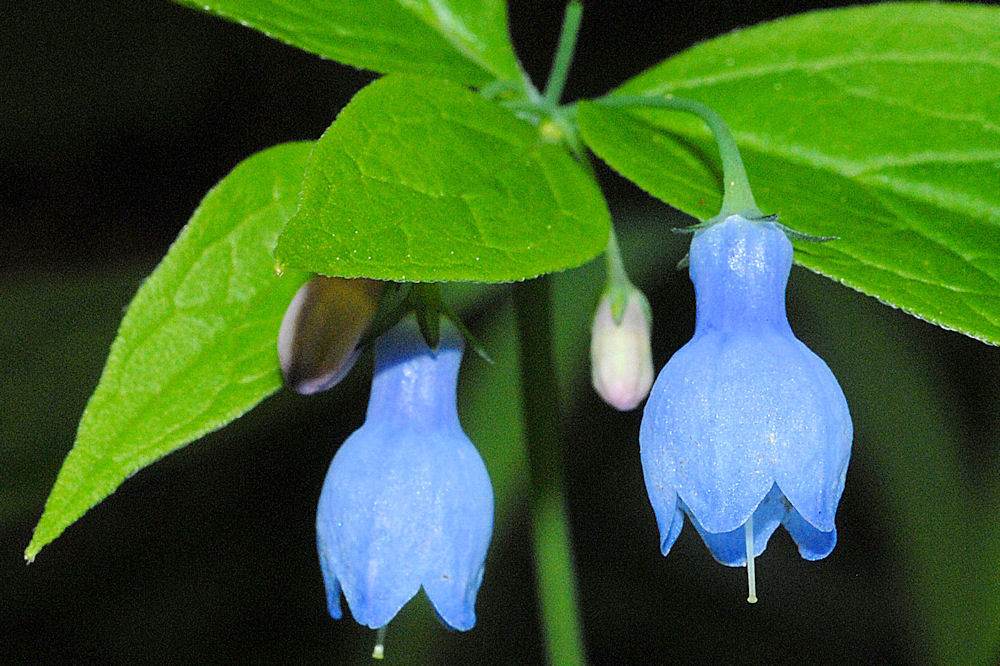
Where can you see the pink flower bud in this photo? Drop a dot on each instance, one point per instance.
(621, 360)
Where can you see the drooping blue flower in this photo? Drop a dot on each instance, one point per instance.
(745, 427)
(407, 501)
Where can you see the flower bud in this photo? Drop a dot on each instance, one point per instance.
(621, 360)
(318, 339)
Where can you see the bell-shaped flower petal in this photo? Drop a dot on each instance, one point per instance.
(407, 501)
(621, 358)
(745, 420)
(319, 334)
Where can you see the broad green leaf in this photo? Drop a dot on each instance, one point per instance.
(462, 40)
(197, 347)
(879, 125)
(422, 180)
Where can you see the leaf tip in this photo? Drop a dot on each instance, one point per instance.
(32, 550)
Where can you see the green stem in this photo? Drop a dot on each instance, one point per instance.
(737, 198)
(495, 88)
(613, 262)
(564, 54)
(554, 568)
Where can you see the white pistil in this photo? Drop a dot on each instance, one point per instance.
(378, 652)
(751, 573)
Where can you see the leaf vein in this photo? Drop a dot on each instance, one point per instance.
(820, 65)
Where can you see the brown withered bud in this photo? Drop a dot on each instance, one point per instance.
(318, 339)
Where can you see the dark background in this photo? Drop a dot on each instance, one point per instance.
(115, 119)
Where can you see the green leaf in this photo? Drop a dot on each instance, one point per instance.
(879, 125)
(197, 347)
(422, 180)
(462, 40)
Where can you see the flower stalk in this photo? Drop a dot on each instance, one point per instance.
(564, 54)
(554, 568)
(737, 197)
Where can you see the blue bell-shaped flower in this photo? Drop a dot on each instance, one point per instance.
(745, 427)
(407, 500)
